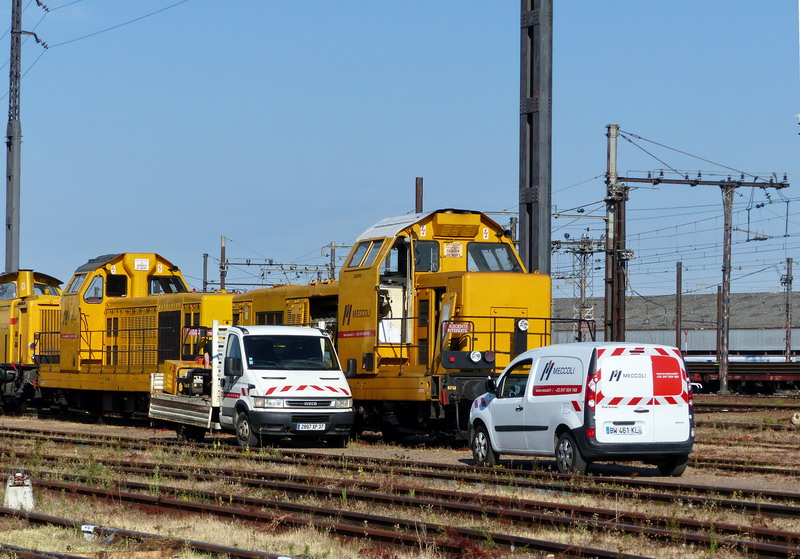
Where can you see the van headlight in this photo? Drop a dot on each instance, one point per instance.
(343, 403)
(262, 402)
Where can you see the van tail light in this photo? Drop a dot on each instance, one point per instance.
(591, 387)
(590, 433)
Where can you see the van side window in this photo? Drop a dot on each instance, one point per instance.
(234, 348)
(515, 380)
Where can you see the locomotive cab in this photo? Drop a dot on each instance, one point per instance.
(124, 316)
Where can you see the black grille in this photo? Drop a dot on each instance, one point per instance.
(310, 404)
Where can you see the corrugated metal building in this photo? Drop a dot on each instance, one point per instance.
(757, 322)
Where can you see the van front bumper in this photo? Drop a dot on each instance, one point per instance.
(645, 452)
(285, 423)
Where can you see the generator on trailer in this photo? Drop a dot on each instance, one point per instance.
(426, 306)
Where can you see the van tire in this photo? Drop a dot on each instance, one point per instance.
(568, 457)
(673, 466)
(245, 435)
(482, 450)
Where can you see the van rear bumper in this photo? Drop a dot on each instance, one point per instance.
(287, 423)
(593, 450)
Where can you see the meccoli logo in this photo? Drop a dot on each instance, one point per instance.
(619, 375)
(350, 313)
(551, 369)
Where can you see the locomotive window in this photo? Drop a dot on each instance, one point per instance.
(491, 257)
(117, 286)
(166, 284)
(368, 248)
(396, 262)
(373, 252)
(8, 290)
(94, 293)
(426, 256)
(44, 289)
(75, 283)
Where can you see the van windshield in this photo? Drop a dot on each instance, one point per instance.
(312, 353)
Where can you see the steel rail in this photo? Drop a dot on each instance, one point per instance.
(516, 510)
(503, 476)
(416, 535)
(513, 509)
(232, 552)
(23, 553)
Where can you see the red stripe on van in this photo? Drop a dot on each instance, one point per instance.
(270, 390)
(634, 401)
(637, 351)
(618, 351)
(314, 386)
(662, 351)
(670, 400)
(576, 405)
(286, 388)
(600, 352)
(615, 401)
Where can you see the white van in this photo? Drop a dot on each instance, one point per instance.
(263, 383)
(587, 402)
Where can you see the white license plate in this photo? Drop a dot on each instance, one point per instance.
(310, 426)
(624, 430)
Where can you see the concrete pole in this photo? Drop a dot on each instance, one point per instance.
(223, 266)
(678, 303)
(13, 142)
(727, 191)
(787, 281)
(535, 148)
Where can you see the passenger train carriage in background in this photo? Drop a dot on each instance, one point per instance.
(426, 306)
(122, 316)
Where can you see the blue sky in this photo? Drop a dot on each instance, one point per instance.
(288, 125)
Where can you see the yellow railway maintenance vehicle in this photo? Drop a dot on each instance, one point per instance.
(29, 303)
(426, 306)
(123, 317)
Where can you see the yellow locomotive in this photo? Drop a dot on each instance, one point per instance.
(122, 317)
(29, 303)
(426, 306)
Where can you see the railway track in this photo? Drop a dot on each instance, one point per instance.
(348, 485)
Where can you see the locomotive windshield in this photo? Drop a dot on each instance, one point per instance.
(491, 257)
(290, 352)
(75, 283)
(166, 284)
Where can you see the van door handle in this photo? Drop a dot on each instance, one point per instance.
(641, 410)
(519, 408)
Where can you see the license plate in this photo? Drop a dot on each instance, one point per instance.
(624, 430)
(310, 426)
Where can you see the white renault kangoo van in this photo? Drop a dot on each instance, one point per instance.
(586, 402)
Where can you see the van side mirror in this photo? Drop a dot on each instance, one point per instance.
(491, 385)
(233, 366)
(351, 368)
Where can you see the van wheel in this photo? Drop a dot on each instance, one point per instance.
(482, 450)
(673, 466)
(244, 431)
(568, 457)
